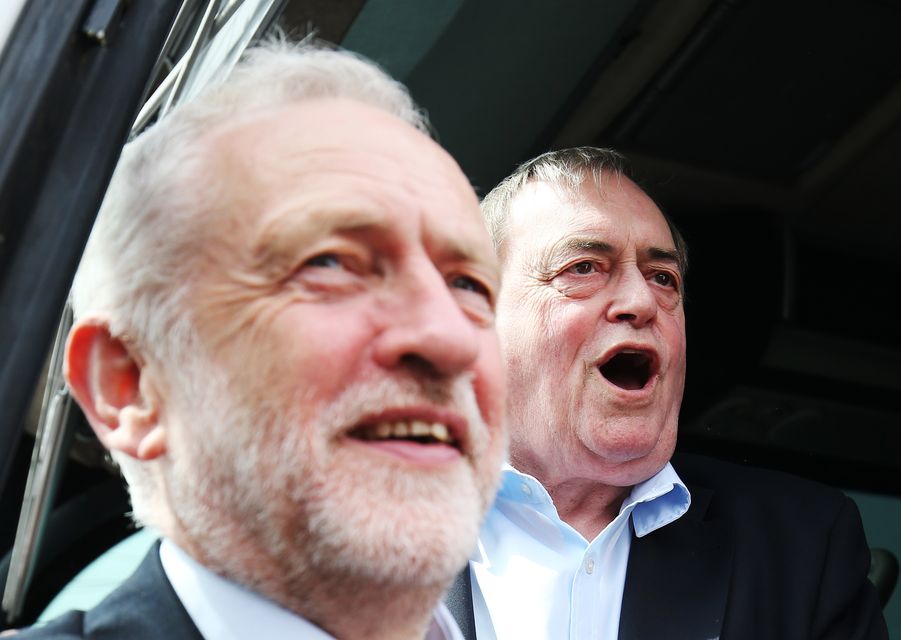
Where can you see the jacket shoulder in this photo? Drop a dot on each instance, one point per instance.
(144, 607)
(68, 626)
(750, 484)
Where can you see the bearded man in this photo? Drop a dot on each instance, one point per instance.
(284, 335)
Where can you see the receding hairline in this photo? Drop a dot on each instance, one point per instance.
(567, 185)
(566, 170)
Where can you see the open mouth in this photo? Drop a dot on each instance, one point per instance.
(628, 369)
(416, 431)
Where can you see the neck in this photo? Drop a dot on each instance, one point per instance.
(587, 506)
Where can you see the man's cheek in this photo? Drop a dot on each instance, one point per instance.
(490, 383)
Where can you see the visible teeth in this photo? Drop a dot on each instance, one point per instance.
(439, 432)
(404, 429)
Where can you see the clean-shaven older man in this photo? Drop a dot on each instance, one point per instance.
(284, 334)
(595, 533)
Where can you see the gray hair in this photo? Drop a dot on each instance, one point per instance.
(567, 168)
(139, 259)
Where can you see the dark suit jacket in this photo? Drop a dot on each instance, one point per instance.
(144, 607)
(759, 555)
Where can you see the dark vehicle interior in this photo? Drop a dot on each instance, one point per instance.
(769, 131)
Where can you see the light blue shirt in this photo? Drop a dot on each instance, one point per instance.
(223, 610)
(534, 576)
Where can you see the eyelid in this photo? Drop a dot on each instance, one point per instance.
(478, 306)
(319, 256)
(597, 263)
(348, 253)
(489, 291)
(673, 273)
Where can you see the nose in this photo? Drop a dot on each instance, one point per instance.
(425, 328)
(632, 299)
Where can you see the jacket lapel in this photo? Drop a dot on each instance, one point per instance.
(678, 578)
(459, 602)
(144, 607)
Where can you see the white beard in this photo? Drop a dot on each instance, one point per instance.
(322, 511)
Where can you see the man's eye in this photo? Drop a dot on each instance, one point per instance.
(583, 268)
(468, 283)
(324, 260)
(665, 279)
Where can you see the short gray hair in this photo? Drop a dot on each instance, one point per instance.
(567, 168)
(137, 265)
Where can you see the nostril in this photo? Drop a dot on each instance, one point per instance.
(419, 365)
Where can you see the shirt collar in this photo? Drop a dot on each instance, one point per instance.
(224, 610)
(654, 503)
(659, 500)
(521, 487)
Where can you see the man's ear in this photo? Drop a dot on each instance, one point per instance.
(105, 379)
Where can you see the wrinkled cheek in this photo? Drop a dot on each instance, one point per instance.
(680, 371)
(227, 314)
(552, 358)
(527, 337)
(574, 326)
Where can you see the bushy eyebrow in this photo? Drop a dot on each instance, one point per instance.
(666, 255)
(562, 250)
(585, 244)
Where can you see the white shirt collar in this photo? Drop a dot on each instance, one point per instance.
(223, 610)
(659, 500)
(654, 503)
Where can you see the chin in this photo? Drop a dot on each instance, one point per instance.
(391, 527)
(633, 461)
